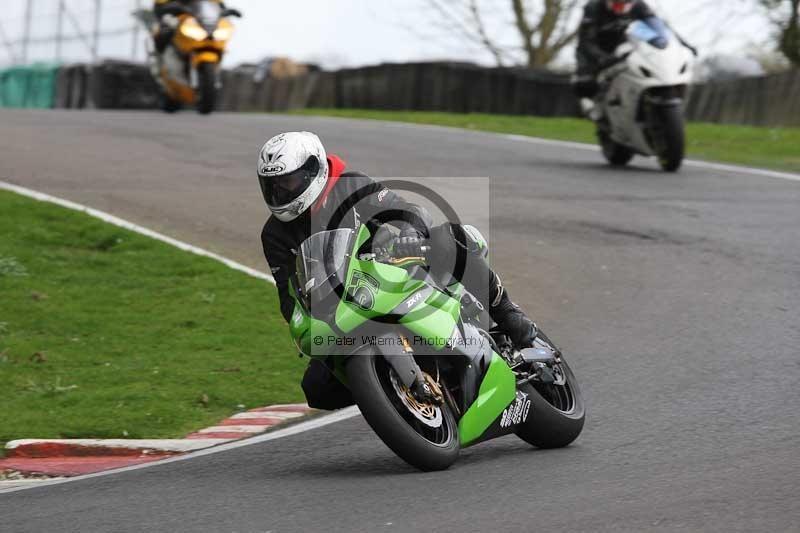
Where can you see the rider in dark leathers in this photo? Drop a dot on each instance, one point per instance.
(601, 31)
(310, 208)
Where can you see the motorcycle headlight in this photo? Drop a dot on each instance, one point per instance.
(223, 33)
(191, 29)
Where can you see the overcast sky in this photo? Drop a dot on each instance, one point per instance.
(341, 32)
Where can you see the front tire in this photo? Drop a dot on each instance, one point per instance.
(370, 380)
(670, 138)
(557, 413)
(207, 88)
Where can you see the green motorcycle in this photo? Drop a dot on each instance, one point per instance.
(418, 355)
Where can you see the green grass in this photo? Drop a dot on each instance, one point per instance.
(774, 148)
(105, 333)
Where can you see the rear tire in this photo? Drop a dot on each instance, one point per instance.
(671, 137)
(368, 375)
(616, 154)
(207, 88)
(556, 418)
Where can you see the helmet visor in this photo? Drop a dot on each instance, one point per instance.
(282, 190)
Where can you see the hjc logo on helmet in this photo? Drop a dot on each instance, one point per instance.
(268, 169)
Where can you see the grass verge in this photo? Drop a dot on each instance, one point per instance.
(105, 333)
(773, 148)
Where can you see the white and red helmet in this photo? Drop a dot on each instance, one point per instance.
(620, 7)
(292, 173)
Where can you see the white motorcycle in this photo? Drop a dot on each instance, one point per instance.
(640, 107)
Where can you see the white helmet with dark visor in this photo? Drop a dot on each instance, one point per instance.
(292, 173)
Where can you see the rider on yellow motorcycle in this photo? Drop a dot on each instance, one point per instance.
(167, 24)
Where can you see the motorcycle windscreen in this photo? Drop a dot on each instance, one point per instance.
(322, 267)
(207, 14)
(652, 31)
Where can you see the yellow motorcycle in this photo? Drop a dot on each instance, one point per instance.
(189, 69)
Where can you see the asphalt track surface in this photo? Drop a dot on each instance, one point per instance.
(674, 296)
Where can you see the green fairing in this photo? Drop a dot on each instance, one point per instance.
(497, 391)
(362, 237)
(394, 286)
(433, 319)
(304, 329)
(307, 333)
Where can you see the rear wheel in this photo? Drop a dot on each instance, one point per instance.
(423, 435)
(206, 88)
(616, 154)
(557, 411)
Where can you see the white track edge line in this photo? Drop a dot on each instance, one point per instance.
(116, 221)
(125, 224)
(739, 169)
(302, 427)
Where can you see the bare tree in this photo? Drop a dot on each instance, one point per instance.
(544, 28)
(785, 16)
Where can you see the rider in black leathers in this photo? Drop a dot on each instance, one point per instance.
(601, 31)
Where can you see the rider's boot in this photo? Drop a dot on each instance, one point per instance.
(510, 318)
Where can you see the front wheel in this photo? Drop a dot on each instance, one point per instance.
(206, 88)
(670, 137)
(557, 411)
(423, 435)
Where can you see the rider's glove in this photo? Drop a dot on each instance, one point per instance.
(410, 243)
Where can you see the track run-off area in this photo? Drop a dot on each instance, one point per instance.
(674, 297)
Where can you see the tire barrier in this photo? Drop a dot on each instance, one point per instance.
(32, 87)
(453, 87)
(72, 87)
(120, 85)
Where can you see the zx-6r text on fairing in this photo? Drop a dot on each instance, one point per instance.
(387, 330)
